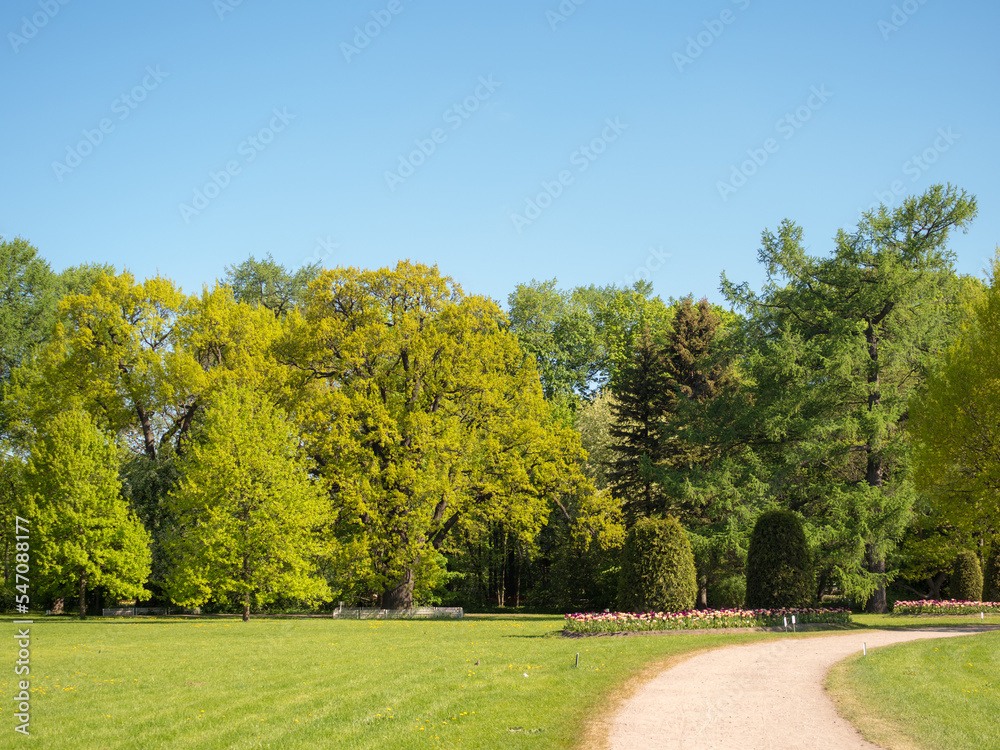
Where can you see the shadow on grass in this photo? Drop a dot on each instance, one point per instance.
(141, 619)
(510, 617)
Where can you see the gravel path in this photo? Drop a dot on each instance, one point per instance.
(765, 696)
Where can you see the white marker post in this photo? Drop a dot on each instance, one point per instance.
(793, 623)
(864, 649)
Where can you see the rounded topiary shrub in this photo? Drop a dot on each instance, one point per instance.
(967, 578)
(779, 570)
(657, 571)
(991, 578)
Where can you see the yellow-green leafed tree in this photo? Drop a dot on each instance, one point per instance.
(230, 342)
(247, 517)
(955, 421)
(142, 357)
(424, 415)
(112, 353)
(83, 534)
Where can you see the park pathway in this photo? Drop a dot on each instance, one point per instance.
(765, 696)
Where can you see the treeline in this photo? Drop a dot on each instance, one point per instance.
(291, 439)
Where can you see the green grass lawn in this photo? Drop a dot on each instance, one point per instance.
(312, 683)
(892, 622)
(935, 694)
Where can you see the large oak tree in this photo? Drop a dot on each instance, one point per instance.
(422, 413)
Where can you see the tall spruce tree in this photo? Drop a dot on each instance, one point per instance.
(640, 401)
(697, 373)
(837, 345)
(694, 377)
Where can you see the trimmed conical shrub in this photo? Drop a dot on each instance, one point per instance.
(657, 570)
(779, 569)
(967, 578)
(991, 578)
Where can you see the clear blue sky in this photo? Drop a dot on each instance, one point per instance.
(181, 87)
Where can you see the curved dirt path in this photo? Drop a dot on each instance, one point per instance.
(764, 696)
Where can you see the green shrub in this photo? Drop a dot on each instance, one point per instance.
(991, 578)
(727, 593)
(779, 570)
(967, 578)
(657, 571)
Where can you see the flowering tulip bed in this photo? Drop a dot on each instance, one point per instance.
(942, 607)
(631, 622)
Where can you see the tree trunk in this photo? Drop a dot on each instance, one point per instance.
(820, 587)
(934, 585)
(400, 596)
(502, 587)
(246, 607)
(83, 596)
(876, 564)
(517, 591)
(148, 438)
(874, 473)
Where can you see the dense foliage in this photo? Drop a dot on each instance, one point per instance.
(84, 534)
(991, 578)
(836, 346)
(779, 570)
(248, 520)
(657, 569)
(439, 449)
(956, 442)
(966, 578)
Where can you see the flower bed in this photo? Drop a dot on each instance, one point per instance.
(632, 622)
(944, 607)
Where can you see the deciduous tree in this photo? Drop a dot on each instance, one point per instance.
(422, 412)
(956, 439)
(247, 518)
(264, 282)
(84, 535)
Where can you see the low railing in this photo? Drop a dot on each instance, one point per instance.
(415, 613)
(341, 613)
(156, 611)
